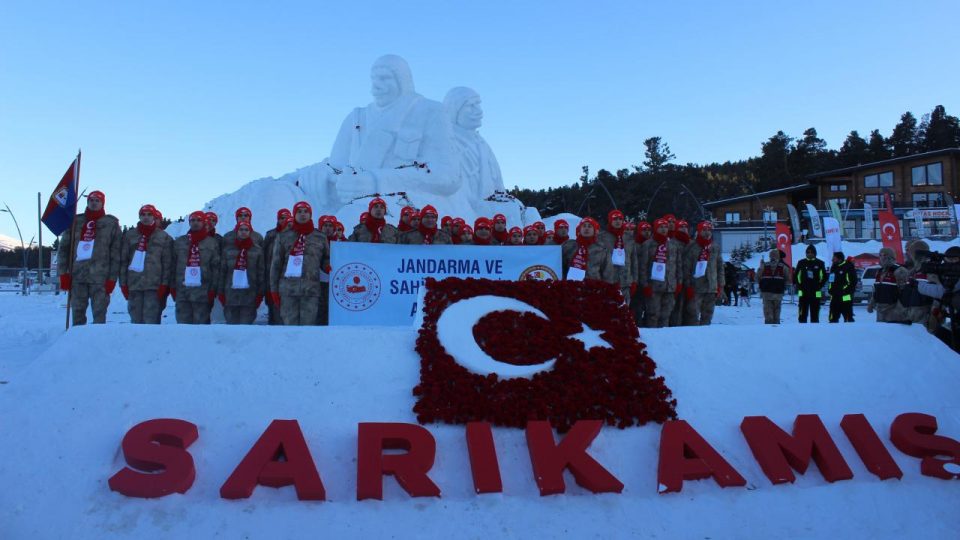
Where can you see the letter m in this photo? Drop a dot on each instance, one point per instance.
(780, 453)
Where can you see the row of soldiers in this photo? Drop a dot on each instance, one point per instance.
(669, 277)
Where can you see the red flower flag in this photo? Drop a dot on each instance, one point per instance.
(890, 233)
(785, 242)
(507, 352)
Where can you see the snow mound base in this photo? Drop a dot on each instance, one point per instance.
(65, 414)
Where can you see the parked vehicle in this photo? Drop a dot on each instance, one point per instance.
(868, 280)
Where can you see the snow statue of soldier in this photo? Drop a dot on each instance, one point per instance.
(400, 142)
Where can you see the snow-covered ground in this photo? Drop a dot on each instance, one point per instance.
(66, 399)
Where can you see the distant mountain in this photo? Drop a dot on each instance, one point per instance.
(8, 244)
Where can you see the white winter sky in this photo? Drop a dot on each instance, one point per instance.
(176, 102)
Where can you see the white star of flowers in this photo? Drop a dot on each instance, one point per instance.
(590, 338)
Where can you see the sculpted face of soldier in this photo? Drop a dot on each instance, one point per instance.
(470, 115)
(384, 86)
(303, 215)
(94, 203)
(147, 218)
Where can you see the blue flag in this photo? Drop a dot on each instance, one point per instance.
(63, 203)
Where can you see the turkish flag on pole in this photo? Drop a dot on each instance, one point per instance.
(785, 242)
(890, 233)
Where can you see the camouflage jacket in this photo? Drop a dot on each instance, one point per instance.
(626, 274)
(209, 269)
(674, 266)
(104, 263)
(316, 257)
(713, 276)
(415, 237)
(157, 263)
(256, 275)
(599, 266)
(388, 234)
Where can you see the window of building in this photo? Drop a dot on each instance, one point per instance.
(927, 175)
(928, 200)
(838, 187)
(884, 179)
(770, 216)
(843, 202)
(733, 217)
(876, 201)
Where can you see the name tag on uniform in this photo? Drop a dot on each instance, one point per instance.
(294, 266)
(240, 280)
(136, 265)
(84, 250)
(658, 271)
(576, 274)
(192, 276)
(619, 256)
(700, 270)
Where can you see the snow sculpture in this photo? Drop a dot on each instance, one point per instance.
(478, 168)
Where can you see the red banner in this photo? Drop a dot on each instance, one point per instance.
(785, 242)
(890, 233)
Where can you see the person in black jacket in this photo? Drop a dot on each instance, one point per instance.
(843, 281)
(810, 276)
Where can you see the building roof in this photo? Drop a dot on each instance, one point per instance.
(761, 195)
(847, 171)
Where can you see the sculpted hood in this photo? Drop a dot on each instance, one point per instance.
(400, 69)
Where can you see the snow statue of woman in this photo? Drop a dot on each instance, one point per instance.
(478, 168)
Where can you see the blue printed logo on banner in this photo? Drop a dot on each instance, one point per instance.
(355, 286)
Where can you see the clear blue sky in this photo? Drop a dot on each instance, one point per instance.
(177, 102)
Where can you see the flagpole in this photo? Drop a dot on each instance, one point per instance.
(70, 253)
(40, 246)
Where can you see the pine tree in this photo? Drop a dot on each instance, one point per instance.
(877, 148)
(941, 130)
(903, 140)
(658, 154)
(808, 154)
(773, 169)
(854, 150)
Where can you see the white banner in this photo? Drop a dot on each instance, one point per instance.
(919, 231)
(380, 284)
(868, 220)
(831, 231)
(814, 221)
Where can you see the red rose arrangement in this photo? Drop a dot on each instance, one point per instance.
(616, 384)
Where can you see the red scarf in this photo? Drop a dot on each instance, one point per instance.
(481, 241)
(705, 244)
(145, 232)
(427, 233)
(375, 226)
(682, 237)
(661, 253)
(618, 234)
(560, 240)
(403, 226)
(581, 258)
(195, 238)
(90, 225)
(502, 237)
(244, 246)
(302, 229)
(541, 239)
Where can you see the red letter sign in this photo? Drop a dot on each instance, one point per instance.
(777, 451)
(869, 447)
(262, 465)
(550, 459)
(685, 455)
(156, 445)
(913, 434)
(483, 458)
(410, 469)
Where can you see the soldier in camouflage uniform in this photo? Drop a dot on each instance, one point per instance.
(483, 233)
(642, 234)
(242, 214)
(243, 279)
(299, 255)
(427, 232)
(268, 240)
(623, 254)
(94, 243)
(586, 257)
(886, 289)
(146, 259)
(704, 277)
(659, 272)
(561, 232)
(196, 272)
(375, 228)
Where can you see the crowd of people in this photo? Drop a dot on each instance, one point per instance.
(669, 275)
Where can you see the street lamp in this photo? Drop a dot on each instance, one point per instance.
(23, 248)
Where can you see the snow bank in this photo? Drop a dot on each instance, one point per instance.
(65, 413)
